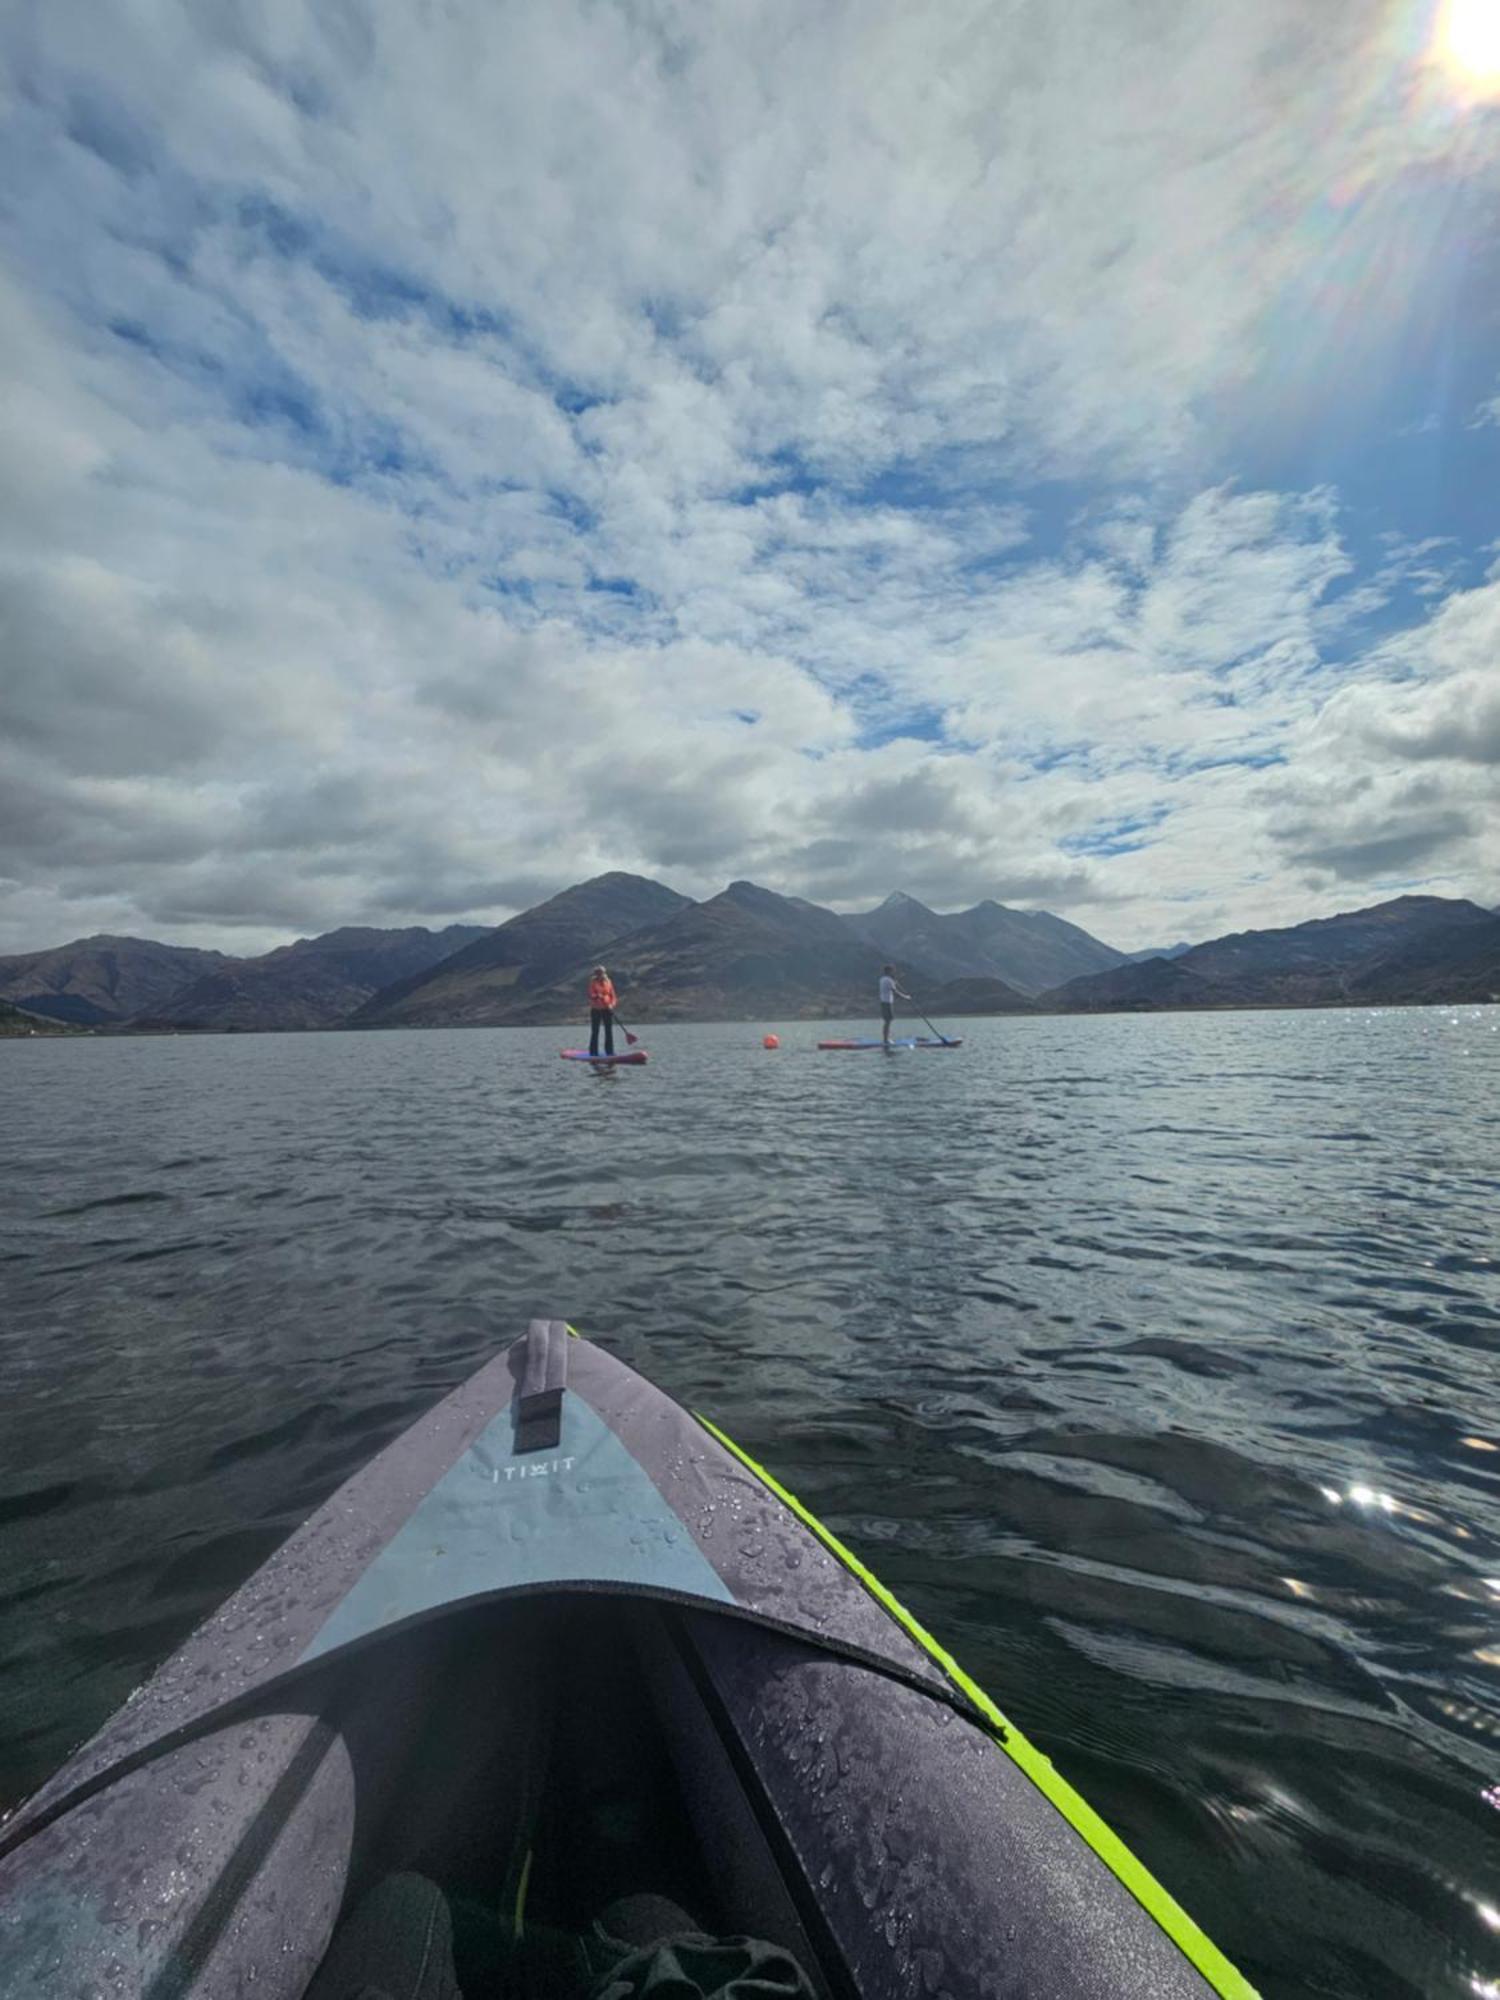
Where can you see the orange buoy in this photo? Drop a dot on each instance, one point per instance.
(770, 1041)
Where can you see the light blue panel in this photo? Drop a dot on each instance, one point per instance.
(584, 1513)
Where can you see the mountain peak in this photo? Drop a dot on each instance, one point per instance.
(1024, 949)
(620, 878)
(750, 895)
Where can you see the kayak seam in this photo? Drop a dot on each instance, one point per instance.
(819, 1934)
(24, 1821)
(1225, 1978)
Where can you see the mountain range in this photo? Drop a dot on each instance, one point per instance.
(749, 954)
(102, 981)
(1413, 948)
(112, 982)
(744, 954)
(316, 983)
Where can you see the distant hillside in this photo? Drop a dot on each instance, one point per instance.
(1320, 963)
(314, 983)
(15, 1021)
(1329, 943)
(970, 996)
(484, 983)
(1159, 951)
(1448, 965)
(101, 981)
(1029, 950)
(747, 954)
(1153, 983)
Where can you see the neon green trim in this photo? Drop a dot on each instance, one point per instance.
(1111, 1850)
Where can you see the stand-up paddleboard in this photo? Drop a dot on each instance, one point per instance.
(896, 1042)
(582, 1055)
(563, 1642)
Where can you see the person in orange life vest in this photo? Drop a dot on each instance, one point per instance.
(601, 1011)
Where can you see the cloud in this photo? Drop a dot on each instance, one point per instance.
(1385, 838)
(1455, 720)
(451, 455)
(1397, 777)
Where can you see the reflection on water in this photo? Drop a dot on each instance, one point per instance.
(1152, 1361)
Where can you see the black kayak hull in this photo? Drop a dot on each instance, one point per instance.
(434, 1672)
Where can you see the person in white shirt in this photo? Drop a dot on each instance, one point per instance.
(890, 993)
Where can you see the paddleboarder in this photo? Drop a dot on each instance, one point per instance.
(601, 1011)
(890, 993)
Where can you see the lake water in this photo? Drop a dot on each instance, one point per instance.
(1151, 1361)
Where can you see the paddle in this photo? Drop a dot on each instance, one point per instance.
(942, 1038)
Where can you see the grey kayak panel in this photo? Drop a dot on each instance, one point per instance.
(941, 1868)
(232, 1849)
(219, 1868)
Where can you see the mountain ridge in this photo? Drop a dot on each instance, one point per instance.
(1310, 964)
(1028, 950)
(315, 983)
(102, 980)
(470, 989)
(747, 953)
(744, 954)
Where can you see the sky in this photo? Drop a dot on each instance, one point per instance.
(1039, 449)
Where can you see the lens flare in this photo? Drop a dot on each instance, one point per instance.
(1468, 45)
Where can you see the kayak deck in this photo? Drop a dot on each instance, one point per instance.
(561, 1649)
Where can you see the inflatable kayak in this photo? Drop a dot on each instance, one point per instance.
(582, 1055)
(562, 1678)
(896, 1042)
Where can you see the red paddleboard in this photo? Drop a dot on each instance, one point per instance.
(582, 1055)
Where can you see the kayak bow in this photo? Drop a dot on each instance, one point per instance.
(559, 1587)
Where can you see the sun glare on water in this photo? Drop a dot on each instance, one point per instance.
(1468, 45)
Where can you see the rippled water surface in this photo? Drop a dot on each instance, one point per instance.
(1152, 1361)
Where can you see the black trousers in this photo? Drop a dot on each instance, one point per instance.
(601, 1017)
